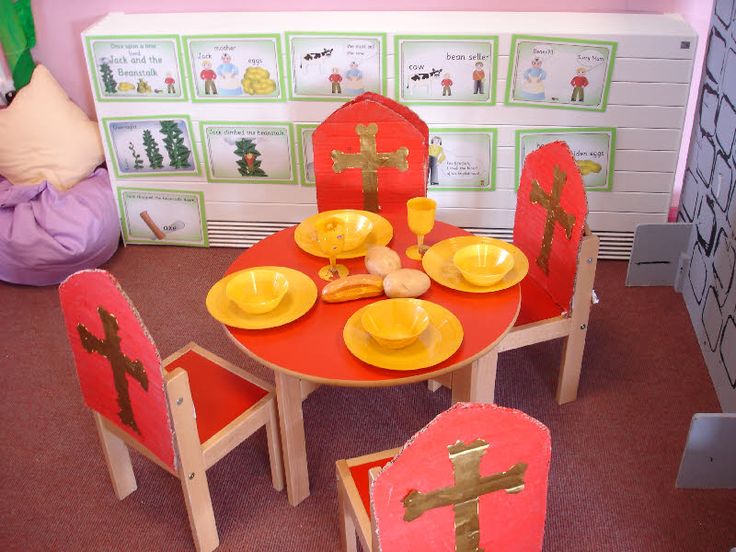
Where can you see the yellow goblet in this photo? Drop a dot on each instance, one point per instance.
(420, 215)
(331, 240)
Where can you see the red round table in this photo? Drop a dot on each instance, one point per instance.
(310, 350)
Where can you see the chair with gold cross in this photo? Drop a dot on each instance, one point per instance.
(370, 154)
(556, 295)
(184, 413)
(475, 478)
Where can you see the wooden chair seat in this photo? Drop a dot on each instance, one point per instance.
(359, 468)
(536, 304)
(219, 395)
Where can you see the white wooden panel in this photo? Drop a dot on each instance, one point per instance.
(626, 138)
(637, 202)
(624, 181)
(504, 218)
(652, 70)
(266, 212)
(633, 69)
(625, 160)
(648, 94)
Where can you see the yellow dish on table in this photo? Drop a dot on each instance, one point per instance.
(438, 342)
(362, 229)
(483, 264)
(298, 299)
(439, 265)
(257, 290)
(395, 323)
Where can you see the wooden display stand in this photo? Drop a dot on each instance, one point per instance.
(640, 116)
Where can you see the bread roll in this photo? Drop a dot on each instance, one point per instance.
(406, 282)
(356, 286)
(382, 260)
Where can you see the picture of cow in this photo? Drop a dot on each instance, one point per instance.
(423, 81)
(315, 58)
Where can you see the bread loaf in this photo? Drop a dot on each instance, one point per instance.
(356, 286)
(382, 260)
(406, 282)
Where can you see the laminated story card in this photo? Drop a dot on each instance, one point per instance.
(445, 69)
(336, 66)
(560, 72)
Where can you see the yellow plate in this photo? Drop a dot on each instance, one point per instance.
(298, 300)
(305, 234)
(437, 263)
(438, 342)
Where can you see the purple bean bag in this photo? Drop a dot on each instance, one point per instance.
(47, 234)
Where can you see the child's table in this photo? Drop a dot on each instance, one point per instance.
(310, 350)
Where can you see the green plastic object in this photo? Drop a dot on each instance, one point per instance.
(18, 36)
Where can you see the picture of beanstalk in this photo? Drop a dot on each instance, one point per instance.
(107, 79)
(174, 143)
(137, 161)
(155, 159)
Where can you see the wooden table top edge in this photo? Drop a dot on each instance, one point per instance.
(383, 382)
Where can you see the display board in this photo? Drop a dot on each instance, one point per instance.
(192, 104)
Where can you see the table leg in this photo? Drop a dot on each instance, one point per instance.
(476, 382)
(291, 421)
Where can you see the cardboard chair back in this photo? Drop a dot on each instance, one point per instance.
(371, 154)
(474, 478)
(551, 209)
(119, 368)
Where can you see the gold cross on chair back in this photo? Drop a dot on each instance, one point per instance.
(463, 497)
(555, 214)
(368, 160)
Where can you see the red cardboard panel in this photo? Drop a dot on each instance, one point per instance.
(118, 365)
(494, 448)
(551, 208)
(396, 148)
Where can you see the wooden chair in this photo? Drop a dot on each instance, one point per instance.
(556, 295)
(150, 405)
(474, 478)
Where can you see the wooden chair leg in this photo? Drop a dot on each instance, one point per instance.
(571, 365)
(477, 382)
(348, 531)
(291, 422)
(274, 448)
(191, 463)
(117, 458)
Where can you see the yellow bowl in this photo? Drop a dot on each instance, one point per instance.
(483, 264)
(258, 290)
(357, 227)
(395, 323)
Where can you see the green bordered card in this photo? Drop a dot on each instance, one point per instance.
(235, 67)
(163, 217)
(462, 159)
(151, 146)
(445, 69)
(561, 73)
(335, 66)
(248, 152)
(593, 148)
(304, 132)
(136, 68)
